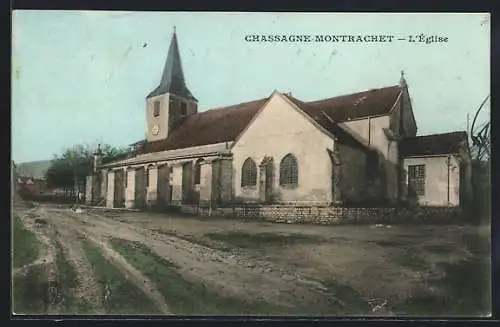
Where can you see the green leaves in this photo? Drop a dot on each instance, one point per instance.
(77, 162)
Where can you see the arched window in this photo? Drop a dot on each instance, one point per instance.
(197, 171)
(249, 173)
(289, 173)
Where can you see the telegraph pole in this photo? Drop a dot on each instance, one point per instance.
(76, 183)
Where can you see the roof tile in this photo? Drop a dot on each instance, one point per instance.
(225, 124)
(434, 144)
(208, 127)
(358, 105)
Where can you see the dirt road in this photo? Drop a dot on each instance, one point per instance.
(231, 274)
(281, 276)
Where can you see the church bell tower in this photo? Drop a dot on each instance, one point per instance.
(171, 100)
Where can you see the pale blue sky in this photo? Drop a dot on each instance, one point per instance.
(82, 77)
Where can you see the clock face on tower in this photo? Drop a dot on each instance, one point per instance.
(155, 129)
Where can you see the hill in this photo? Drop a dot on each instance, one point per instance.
(34, 169)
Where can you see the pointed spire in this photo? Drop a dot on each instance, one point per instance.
(172, 78)
(402, 80)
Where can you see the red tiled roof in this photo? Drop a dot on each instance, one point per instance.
(225, 124)
(435, 144)
(326, 122)
(357, 105)
(208, 127)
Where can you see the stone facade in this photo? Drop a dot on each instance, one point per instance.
(326, 215)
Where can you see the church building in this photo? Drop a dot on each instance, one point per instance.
(345, 150)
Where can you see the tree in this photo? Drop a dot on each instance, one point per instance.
(112, 153)
(481, 177)
(69, 169)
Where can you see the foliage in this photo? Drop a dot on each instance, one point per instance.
(29, 292)
(481, 185)
(112, 153)
(78, 161)
(25, 244)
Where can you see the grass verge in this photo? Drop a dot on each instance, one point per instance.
(466, 286)
(187, 297)
(263, 240)
(121, 296)
(25, 244)
(67, 282)
(30, 292)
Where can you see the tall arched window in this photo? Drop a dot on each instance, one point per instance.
(197, 171)
(249, 173)
(289, 173)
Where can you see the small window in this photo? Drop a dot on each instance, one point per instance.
(289, 173)
(156, 109)
(183, 108)
(416, 179)
(197, 172)
(249, 173)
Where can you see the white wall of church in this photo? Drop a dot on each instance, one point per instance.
(277, 130)
(371, 130)
(436, 180)
(176, 181)
(110, 189)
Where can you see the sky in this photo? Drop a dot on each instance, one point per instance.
(82, 76)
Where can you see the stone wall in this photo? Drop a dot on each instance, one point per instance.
(327, 215)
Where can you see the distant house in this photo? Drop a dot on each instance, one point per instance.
(32, 186)
(33, 169)
(30, 178)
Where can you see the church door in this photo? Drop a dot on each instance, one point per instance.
(266, 180)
